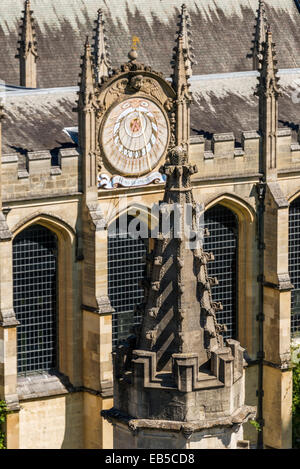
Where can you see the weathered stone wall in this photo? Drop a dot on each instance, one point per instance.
(225, 178)
(52, 423)
(39, 178)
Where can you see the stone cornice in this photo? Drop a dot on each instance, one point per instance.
(242, 415)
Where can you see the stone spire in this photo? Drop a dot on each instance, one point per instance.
(182, 70)
(177, 378)
(101, 54)
(1, 118)
(184, 29)
(87, 76)
(87, 108)
(179, 316)
(260, 35)
(268, 90)
(27, 49)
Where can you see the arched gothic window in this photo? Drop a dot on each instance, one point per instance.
(126, 269)
(294, 264)
(222, 242)
(35, 298)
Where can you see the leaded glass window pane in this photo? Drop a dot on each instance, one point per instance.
(126, 268)
(294, 264)
(222, 242)
(35, 302)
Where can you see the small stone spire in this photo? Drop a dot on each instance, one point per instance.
(86, 114)
(268, 90)
(179, 310)
(184, 29)
(260, 35)
(27, 49)
(101, 54)
(1, 118)
(87, 77)
(182, 69)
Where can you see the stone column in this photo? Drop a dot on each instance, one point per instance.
(8, 328)
(277, 381)
(97, 334)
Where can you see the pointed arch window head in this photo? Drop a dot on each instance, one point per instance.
(35, 298)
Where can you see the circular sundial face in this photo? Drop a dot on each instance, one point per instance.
(135, 136)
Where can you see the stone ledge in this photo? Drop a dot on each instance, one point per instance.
(295, 147)
(68, 152)
(242, 415)
(23, 174)
(40, 385)
(250, 135)
(225, 137)
(5, 233)
(238, 152)
(39, 155)
(8, 318)
(208, 155)
(56, 171)
(197, 139)
(9, 159)
(284, 132)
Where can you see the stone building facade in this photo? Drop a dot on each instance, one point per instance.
(62, 190)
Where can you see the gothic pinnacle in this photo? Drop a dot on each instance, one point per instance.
(87, 79)
(27, 48)
(183, 58)
(28, 42)
(260, 35)
(184, 30)
(101, 54)
(268, 79)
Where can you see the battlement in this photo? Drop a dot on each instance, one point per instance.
(225, 158)
(38, 177)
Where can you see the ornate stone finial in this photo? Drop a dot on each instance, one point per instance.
(182, 68)
(132, 55)
(268, 90)
(260, 35)
(101, 54)
(27, 49)
(87, 80)
(184, 30)
(268, 79)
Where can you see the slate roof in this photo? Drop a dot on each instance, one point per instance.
(222, 33)
(36, 119)
(226, 103)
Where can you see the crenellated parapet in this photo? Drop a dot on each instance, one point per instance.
(226, 159)
(39, 178)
